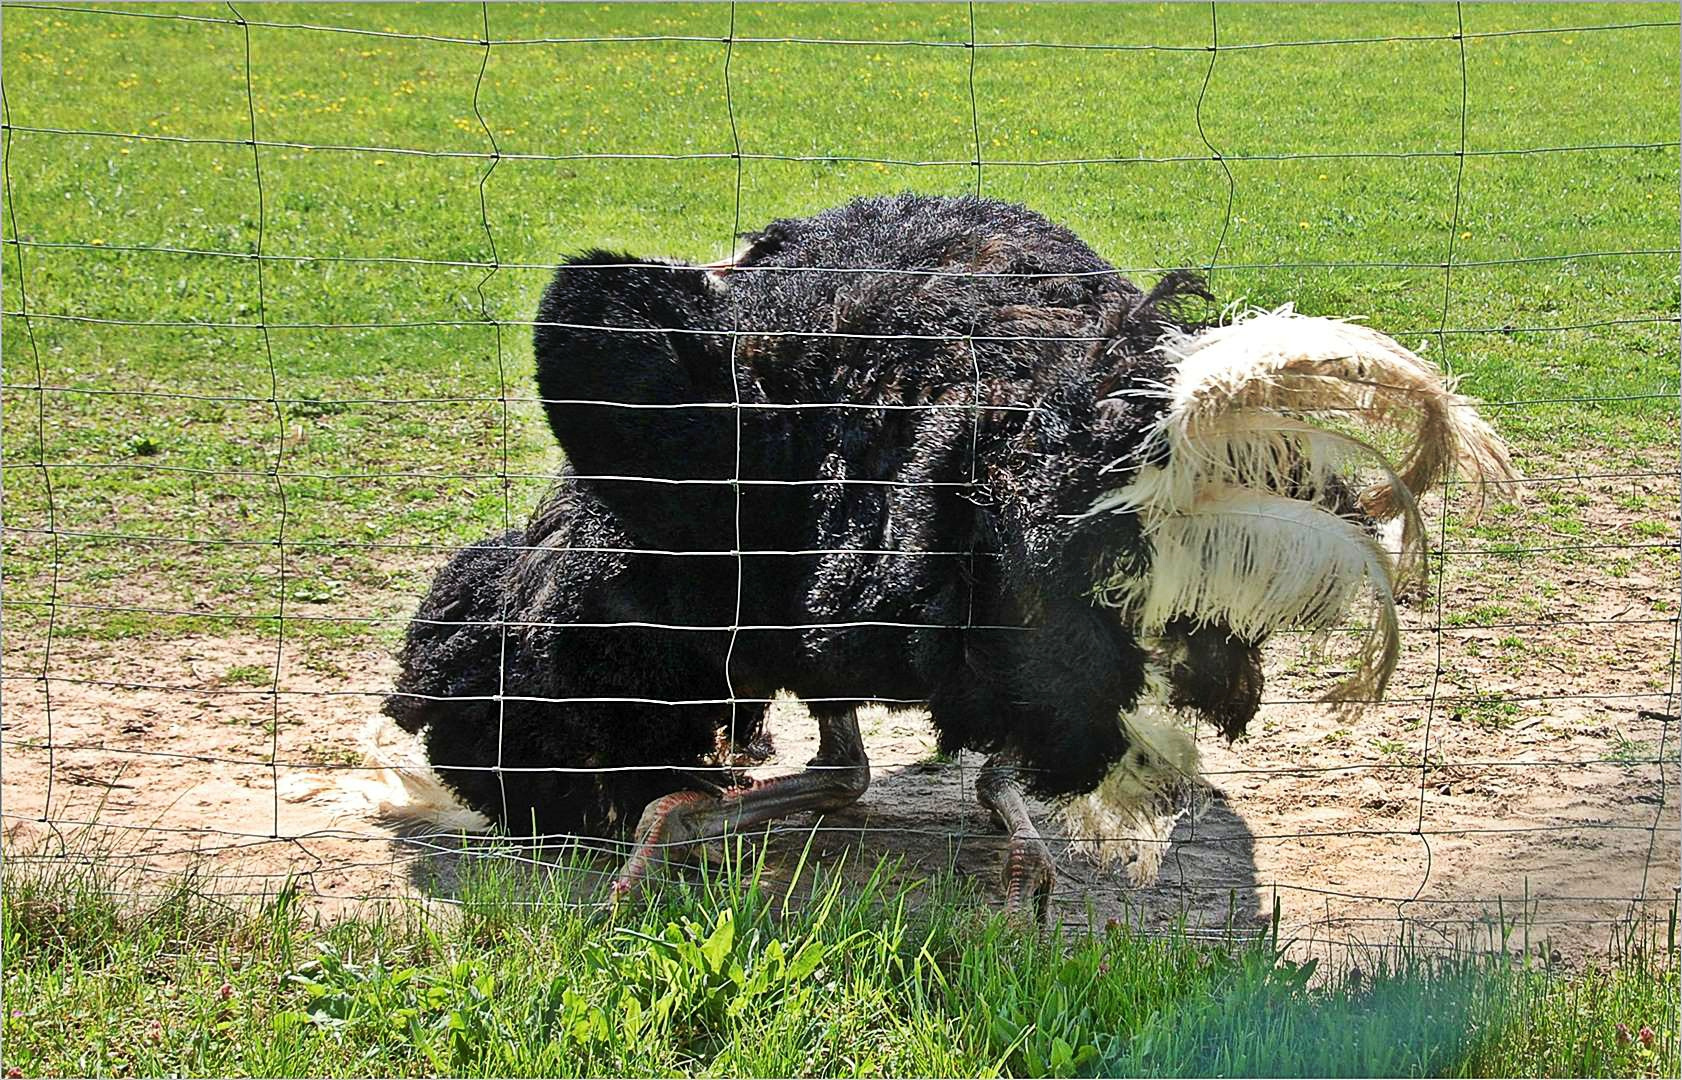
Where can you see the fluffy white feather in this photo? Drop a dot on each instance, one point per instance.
(1282, 362)
(1231, 486)
(1269, 453)
(403, 792)
(1130, 816)
(1241, 465)
(1259, 563)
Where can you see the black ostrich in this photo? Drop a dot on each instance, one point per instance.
(963, 461)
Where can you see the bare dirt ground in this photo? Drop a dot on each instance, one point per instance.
(1524, 767)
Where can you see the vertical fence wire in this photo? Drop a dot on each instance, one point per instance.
(1671, 711)
(502, 396)
(972, 493)
(40, 463)
(275, 470)
(1447, 489)
(736, 396)
(1214, 153)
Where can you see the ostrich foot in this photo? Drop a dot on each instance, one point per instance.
(673, 825)
(666, 824)
(1030, 874)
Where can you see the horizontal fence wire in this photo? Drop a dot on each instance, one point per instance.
(606, 699)
(894, 830)
(853, 159)
(43, 677)
(886, 271)
(643, 38)
(746, 406)
(1504, 551)
(811, 335)
(428, 474)
(921, 765)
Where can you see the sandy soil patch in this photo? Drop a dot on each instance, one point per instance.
(1526, 763)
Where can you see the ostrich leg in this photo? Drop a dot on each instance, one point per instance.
(1030, 874)
(837, 777)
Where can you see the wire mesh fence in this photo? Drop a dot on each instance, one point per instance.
(266, 367)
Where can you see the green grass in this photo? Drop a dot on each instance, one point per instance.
(337, 443)
(717, 977)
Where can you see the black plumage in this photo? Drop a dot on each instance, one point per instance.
(921, 398)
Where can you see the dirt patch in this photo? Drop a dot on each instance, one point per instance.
(1524, 765)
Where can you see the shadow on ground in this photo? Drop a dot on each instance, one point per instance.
(921, 821)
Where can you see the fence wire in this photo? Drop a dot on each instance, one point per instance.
(49, 672)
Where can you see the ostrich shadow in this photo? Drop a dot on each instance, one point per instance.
(915, 824)
(927, 819)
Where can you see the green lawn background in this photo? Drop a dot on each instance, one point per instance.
(1350, 202)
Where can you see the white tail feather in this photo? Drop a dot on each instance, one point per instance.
(1233, 502)
(405, 794)
(1231, 486)
(1130, 816)
(1270, 453)
(1258, 562)
(1281, 361)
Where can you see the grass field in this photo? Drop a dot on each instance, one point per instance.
(712, 980)
(195, 436)
(1346, 197)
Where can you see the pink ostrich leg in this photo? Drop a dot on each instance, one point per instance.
(1029, 872)
(836, 778)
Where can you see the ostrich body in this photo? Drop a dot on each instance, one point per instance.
(977, 467)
